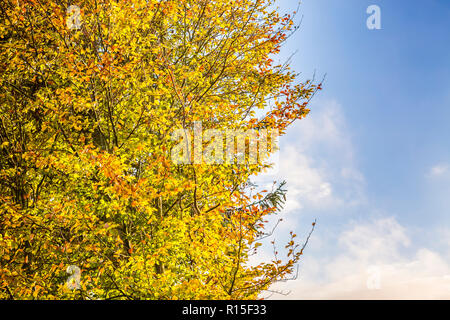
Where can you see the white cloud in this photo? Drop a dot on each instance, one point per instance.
(307, 185)
(438, 170)
(372, 263)
(317, 161)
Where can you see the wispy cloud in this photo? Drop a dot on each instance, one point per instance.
(372, 263)
(318, 163)
(438, 170)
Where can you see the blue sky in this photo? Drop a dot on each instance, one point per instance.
(372, 160)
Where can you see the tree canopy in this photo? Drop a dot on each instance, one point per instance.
(90, 94)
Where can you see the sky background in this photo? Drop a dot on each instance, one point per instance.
(371, 162)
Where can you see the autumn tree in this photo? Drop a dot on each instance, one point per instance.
(90, 94)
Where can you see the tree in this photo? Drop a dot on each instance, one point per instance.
(89, 97)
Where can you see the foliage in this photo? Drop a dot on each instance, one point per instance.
(86, 177)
